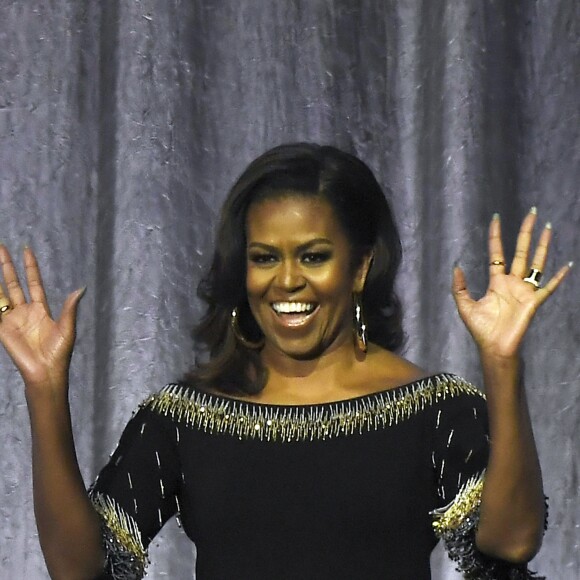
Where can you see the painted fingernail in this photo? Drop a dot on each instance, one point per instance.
(570, 264)
(534, 210)
(548, 226)
(495, 216)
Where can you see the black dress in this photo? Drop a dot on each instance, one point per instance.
(355, 489)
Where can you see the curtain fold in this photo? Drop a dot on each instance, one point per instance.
(123, 125)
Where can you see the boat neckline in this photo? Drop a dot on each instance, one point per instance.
(436, 378)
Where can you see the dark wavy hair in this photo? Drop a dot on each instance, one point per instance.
(359, 204)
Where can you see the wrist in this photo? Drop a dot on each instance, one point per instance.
(502, 379)
(52, 393)
(499, 359)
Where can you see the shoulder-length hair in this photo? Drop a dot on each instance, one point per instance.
(359, 204)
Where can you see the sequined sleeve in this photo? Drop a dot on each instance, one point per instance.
(136, 493)
(459, 457)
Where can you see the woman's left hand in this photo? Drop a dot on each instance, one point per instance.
(499, 320)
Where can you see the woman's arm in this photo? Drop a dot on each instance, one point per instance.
(512, 504)
(68, 526)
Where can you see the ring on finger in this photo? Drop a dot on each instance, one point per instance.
(534, 276)
(5, 306)
(497, 263)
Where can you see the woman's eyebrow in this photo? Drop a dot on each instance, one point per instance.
(301, 247)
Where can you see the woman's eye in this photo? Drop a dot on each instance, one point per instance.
(315, 257)
(262, 258)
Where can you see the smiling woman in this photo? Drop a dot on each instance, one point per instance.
(328, 205)
(302, 446)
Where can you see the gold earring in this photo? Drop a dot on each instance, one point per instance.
(238, 334)
(360, 328)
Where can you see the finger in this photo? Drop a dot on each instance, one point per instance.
(520, 261)
(15, 293)
(546, 291)
(68, 315)
(541, 253)
(34, 280)
(495, 247)
(459, 288)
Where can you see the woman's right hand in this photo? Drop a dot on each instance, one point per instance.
(40, 346)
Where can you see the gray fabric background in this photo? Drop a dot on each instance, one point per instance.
(123, 124)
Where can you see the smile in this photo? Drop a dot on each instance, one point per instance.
(293, 307)
(294, 314)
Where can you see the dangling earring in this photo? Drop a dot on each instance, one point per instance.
(360, 328)
(239, 336)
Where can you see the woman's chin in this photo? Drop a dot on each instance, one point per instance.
(303, 349)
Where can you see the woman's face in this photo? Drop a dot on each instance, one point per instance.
(300, 276)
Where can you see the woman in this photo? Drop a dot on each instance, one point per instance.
(297, 448)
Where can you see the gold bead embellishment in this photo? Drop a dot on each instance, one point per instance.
(465, 504)
(216, 414)
(123, 527)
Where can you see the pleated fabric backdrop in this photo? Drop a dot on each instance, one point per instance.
(123, 124)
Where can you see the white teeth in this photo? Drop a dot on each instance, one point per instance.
(290, 307)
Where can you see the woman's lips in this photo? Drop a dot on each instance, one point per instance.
(294, 319)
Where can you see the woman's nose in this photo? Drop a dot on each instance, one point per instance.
(290, 276)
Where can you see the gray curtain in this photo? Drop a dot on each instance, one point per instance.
(124, 123)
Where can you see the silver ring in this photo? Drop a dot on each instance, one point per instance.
(534, 276)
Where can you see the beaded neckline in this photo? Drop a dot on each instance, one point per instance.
(248, 420)
(224, 397)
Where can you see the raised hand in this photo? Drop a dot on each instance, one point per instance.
(40, 346)
(499, 320)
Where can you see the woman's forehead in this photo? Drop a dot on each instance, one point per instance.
(292, 215)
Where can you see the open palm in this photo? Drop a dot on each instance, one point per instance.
(500, 319)
(40, 346)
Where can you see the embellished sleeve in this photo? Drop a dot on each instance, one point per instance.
(459, 455)
(136, 493)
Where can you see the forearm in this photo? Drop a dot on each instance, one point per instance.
(68, 526)
(512, 505)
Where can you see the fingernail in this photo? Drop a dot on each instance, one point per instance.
(81, 291)
(534, 210)
(495, 216)
(570, 264)
(548, 226)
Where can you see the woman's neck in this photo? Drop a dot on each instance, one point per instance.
(324, 378)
